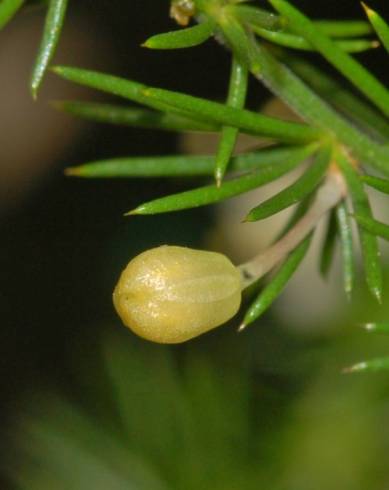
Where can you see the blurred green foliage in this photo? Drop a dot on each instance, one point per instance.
(152, 417)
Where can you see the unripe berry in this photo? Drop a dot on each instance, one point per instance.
(172, 294)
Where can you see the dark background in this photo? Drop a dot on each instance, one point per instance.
(65, 241)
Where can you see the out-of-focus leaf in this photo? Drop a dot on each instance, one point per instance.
(97, 460)
(377, 328)
(8, 9)
(171, 411)
(52, 31)
(373, 366)
(143, 400)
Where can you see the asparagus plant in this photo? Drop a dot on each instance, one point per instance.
(341, 137)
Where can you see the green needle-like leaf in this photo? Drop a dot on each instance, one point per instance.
(297, 42)
(373, 226)
(281, 80)
(304, 101)
(172, 166)
(254, 16)
(277, 284)
(347, 247)
(250, 121)
(236, 98)
(211, 194)
(348, 66)
(8, 9)
(379, 25)
(329, 245)
(192, 107)
(373, 366)
(182, 38)
(381, 185)
(369, 243)
(128, 116)
(295, 192)
(225, 150)
(382, 328)
(344, 28)
(52, 30)
(239, 40)
(344, 101)
(120, 87)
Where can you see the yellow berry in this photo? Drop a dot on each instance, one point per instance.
(171, 294)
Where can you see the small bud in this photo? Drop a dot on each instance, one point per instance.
(182, 11)
(172, 294)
